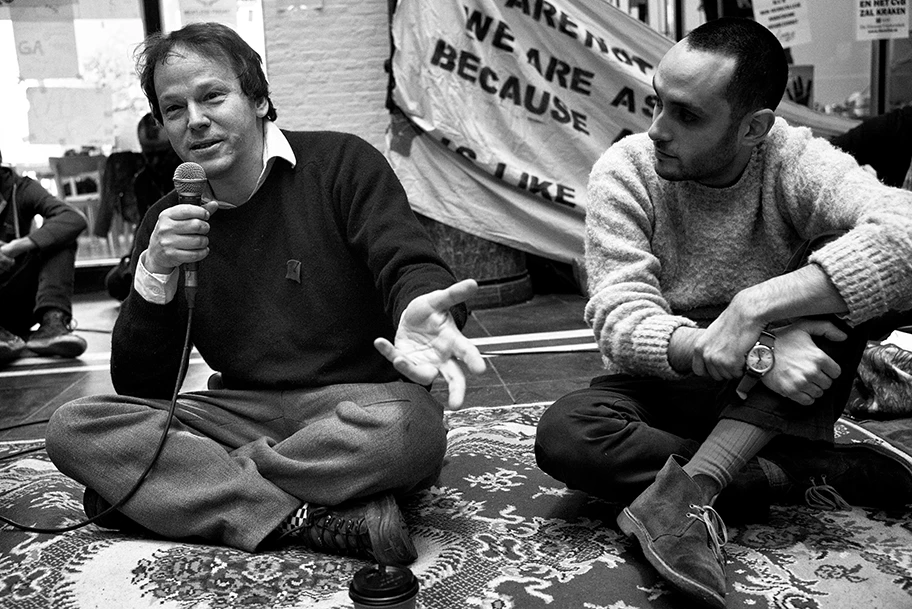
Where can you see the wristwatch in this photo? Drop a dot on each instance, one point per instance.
(758, 361)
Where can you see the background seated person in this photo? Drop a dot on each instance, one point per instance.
(37, 270)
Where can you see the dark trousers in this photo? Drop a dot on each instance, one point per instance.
(611, 439)
(40, 280)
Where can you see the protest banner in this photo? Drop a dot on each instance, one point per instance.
(507, 104)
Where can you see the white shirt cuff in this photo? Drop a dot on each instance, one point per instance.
(155, 288)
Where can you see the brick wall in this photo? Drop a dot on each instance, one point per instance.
(325, 65)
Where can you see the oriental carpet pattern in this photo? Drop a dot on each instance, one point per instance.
(495, 532)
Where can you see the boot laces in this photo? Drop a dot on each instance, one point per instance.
(716, 531)
(323, 530)
(824, 497)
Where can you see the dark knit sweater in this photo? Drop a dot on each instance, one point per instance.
(299, 280)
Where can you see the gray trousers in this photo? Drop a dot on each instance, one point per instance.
(236, 462)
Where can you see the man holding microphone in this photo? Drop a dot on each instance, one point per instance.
(321, 304)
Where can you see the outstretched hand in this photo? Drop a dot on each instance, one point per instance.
(428, 343)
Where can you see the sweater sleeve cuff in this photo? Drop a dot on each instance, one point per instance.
(650, 344)
(856, 277)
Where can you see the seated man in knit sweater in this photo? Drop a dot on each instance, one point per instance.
(317, 293)
(718, 244)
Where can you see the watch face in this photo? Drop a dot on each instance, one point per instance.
(760, 359)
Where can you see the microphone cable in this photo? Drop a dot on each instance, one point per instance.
(181, 375)
(189, 182)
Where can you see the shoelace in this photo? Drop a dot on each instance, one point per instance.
(824, 497)
(716, 531)
(327, 529)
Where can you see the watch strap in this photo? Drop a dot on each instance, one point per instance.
(747, 383)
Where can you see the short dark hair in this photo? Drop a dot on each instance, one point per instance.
(148, 126)
(212, 40)
(761, 67)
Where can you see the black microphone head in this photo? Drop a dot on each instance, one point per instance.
(189, 179)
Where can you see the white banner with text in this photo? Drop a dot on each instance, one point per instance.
(509, 104)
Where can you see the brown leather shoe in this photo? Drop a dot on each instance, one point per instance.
(679, 536)
(372, 529)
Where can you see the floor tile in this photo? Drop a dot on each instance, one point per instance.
(543, 313)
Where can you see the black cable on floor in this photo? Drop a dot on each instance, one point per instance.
(182, 373)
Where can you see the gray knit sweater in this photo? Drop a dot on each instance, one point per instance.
(663, 254)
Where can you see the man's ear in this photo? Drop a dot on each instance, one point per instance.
(758, 125)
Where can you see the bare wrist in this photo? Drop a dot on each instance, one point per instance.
(149, 264)
(18, 246)
(749, 307)
(681, 348)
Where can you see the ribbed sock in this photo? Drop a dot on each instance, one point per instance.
(728, 448)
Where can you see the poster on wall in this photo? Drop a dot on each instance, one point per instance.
(221, 11)
(505, 105)
(108, 9)
(50, 110)
(787, 19)
(45, 38)
(800, 85)
(882, 19)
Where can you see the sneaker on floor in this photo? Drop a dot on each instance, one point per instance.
(11, 346)
(371, 529)
(835, 477)
(55, 336)
(679, 535)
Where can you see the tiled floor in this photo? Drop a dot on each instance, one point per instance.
(551, 325)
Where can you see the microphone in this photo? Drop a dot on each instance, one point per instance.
(189, 182)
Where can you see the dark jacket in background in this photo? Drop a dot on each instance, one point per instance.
(884, 142)
(62, 223)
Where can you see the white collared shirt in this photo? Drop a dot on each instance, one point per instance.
(159, 288)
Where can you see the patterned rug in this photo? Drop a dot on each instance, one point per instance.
(494, 533)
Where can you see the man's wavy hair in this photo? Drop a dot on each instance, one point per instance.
(213, 41)
(761, 68)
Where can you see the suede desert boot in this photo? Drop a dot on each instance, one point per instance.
(679, 535)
